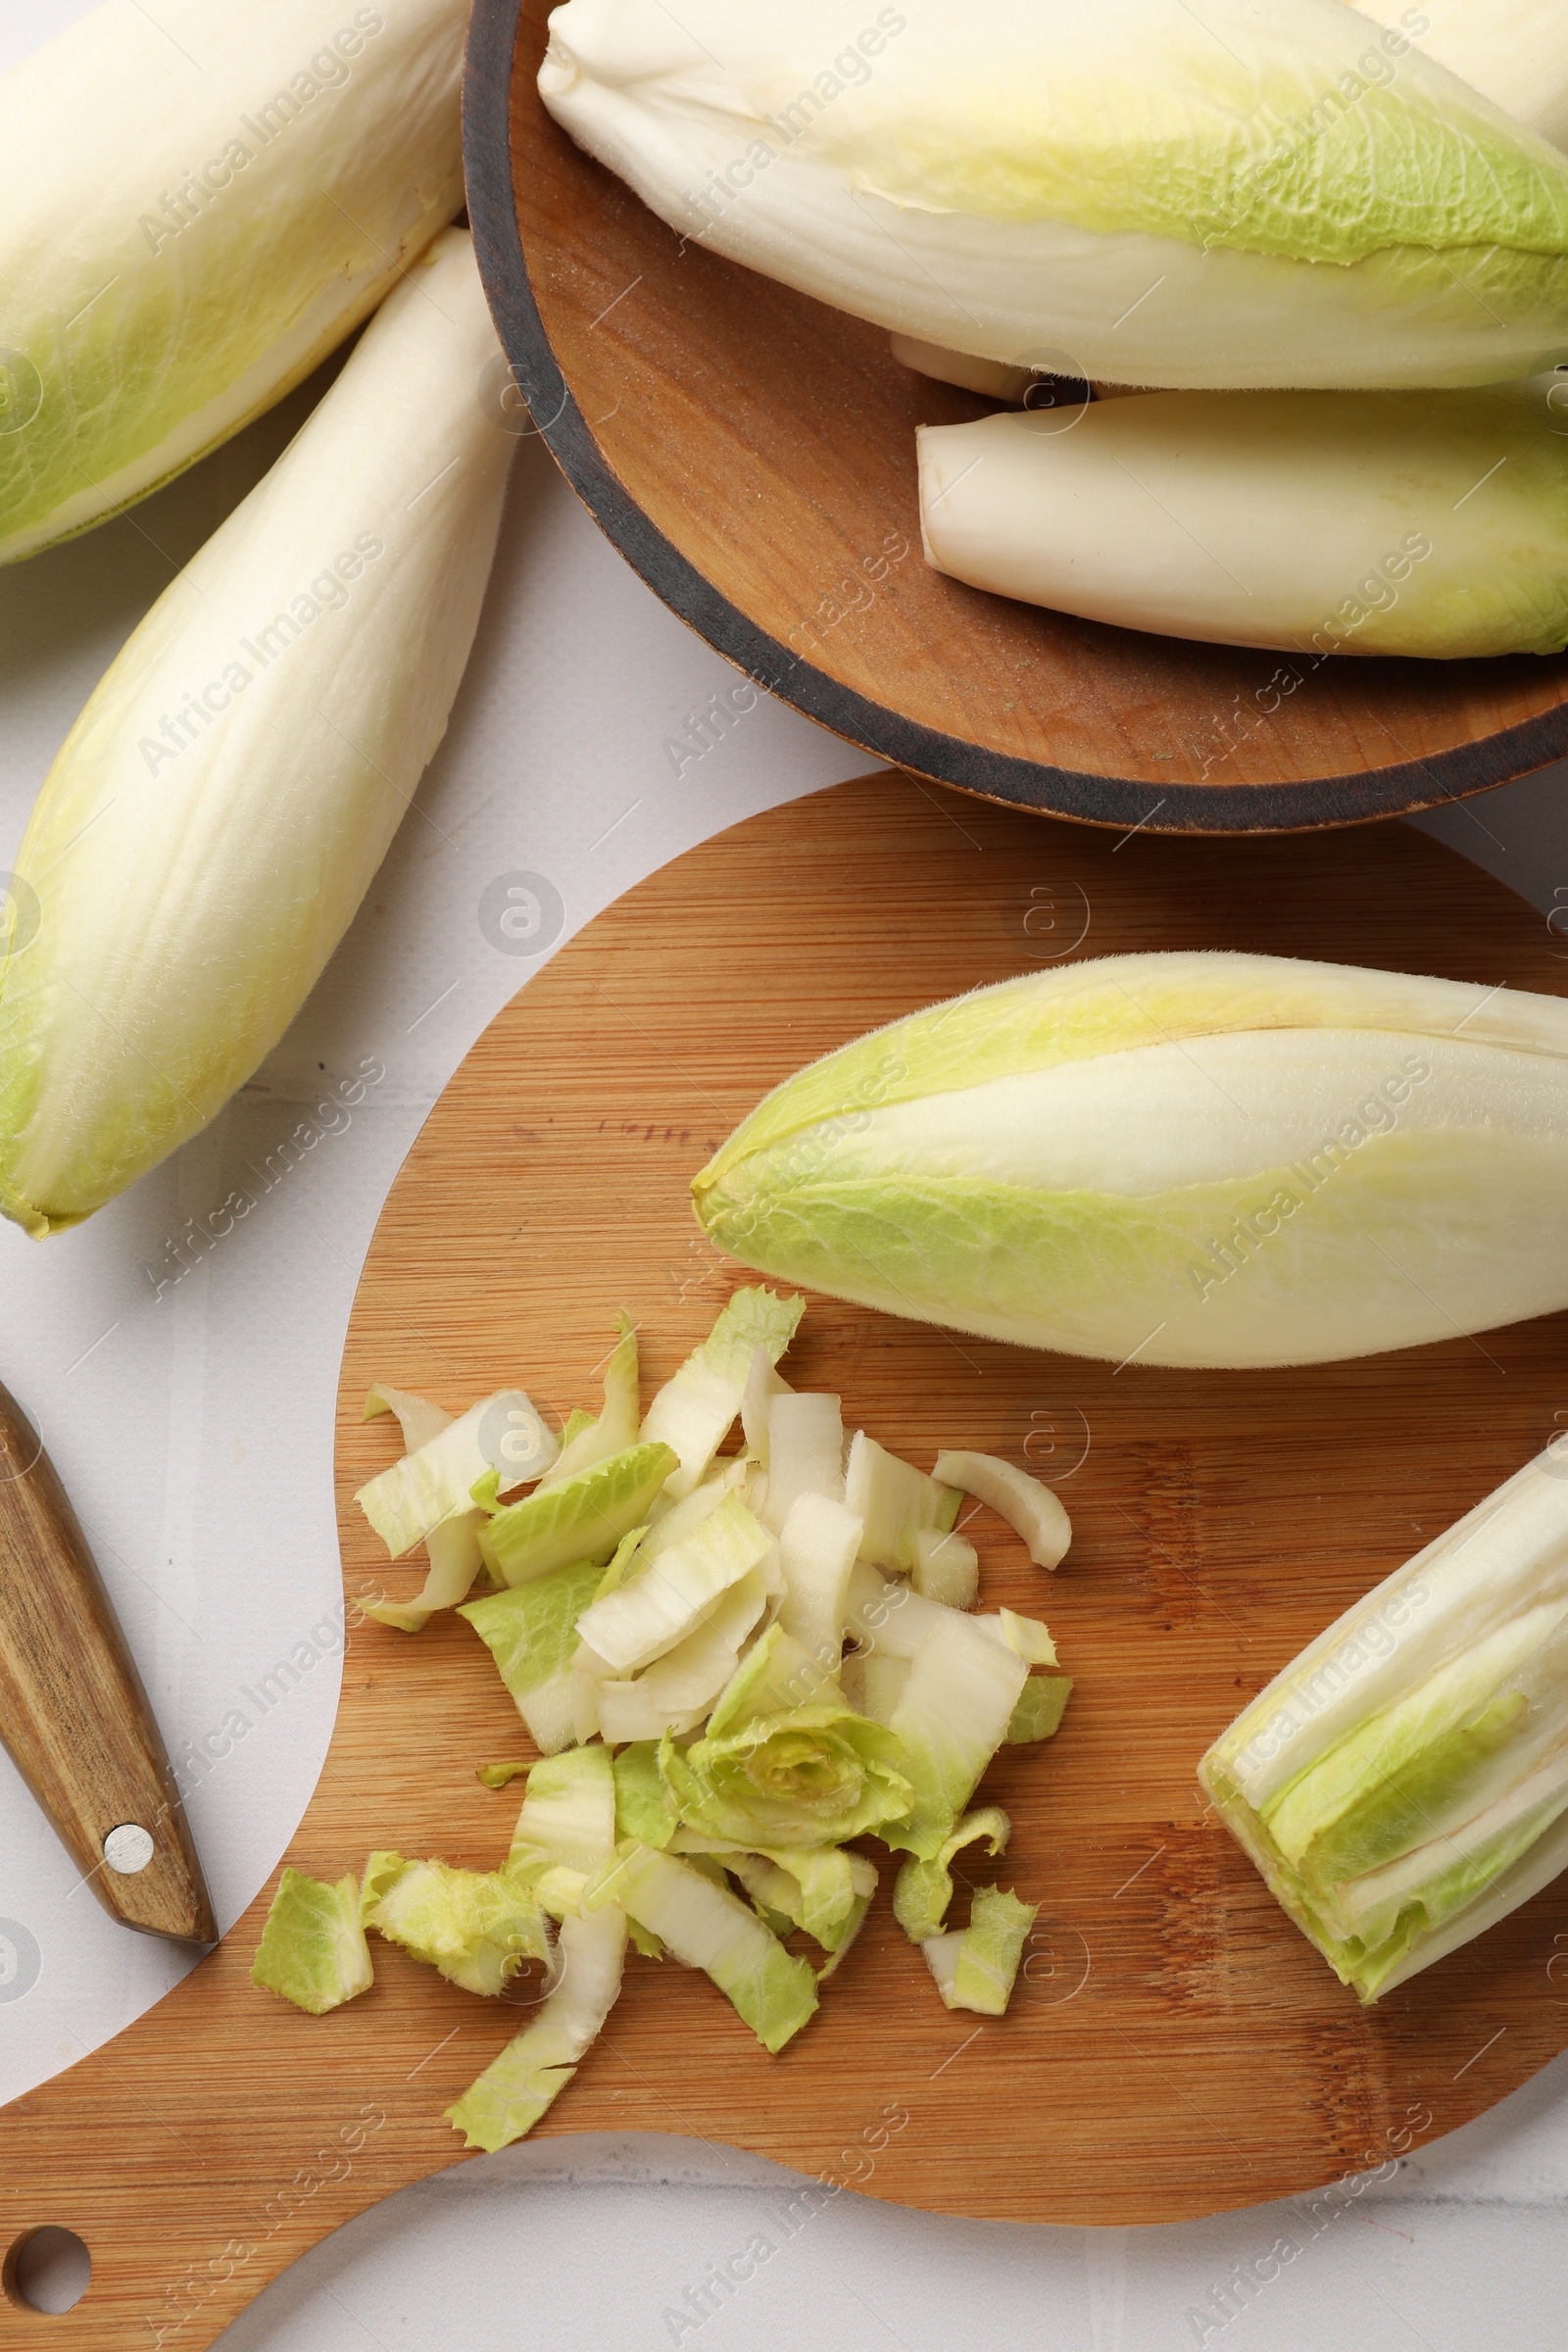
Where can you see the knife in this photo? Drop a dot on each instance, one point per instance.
(72, 1711)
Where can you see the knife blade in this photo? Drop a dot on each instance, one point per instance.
(73, 1714)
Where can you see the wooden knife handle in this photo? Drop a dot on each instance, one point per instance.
(72, 1710)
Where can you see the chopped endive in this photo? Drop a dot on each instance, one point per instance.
(1025, 1635)
(216, 815)
(453, 1547)
(786, 1901)
(583, 1518)
(813, 1775)
(313, 1948)
(1515, 52)
(671, 1522)
(693, 1412)
(612, 1430)
(418, 1419)
(775, 1675)
(977, 1968)
(1403, 1784)
(384, 1867)
(1030, 1508)
(477, 1926)
(706, 1927)
(627, 1552)
(1425, 523)
(941, 1954)
(201, 202)
(817, 1552)
(516, 2088)
(944, 1568)
(1039, 1709)
(667, 1596)
(775, 1896)
(676, 1690)
(1197, 1159)
(568, 1814)
(531, 1633)
(805, 1452)
(643, 1808)
(894, 1501)
(763, 1381)
(587, 1674)
(950, 1720)
(874, 1683)
(1242, 195)
(434, 1483)
(823, 1889)
(832, 1891)
(890, 1618)
(922, 1891)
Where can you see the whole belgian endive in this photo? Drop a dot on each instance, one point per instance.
(220, 808)
(1428, 523)
(1254, 193)
(1207, 1159)
(197, 202)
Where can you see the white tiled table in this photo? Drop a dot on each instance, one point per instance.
(194, 1432)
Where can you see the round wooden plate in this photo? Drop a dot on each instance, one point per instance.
(751, 454)
(1176, 2048)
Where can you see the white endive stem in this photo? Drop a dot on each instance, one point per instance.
(1515, 52)
(197, 202)
(1320, 522)
(1251, 193)
(220, 808)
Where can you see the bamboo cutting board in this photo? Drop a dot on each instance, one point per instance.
(1177, 2048)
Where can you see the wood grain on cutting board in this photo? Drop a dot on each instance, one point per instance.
(1179, 2048)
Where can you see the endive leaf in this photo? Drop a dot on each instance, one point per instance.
(537, 2064)
(693, 1412)
(531, 1630)
(597, 1437)
(200, 202)
(477, 1926)
(1240, 195)
(949, 1721)
(706, 1927)
(313, 1948)
(586, 1517)
(220, 808)
(453, 1547)
(433, 1483)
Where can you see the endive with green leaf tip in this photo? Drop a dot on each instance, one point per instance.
(1203, 1160)
(1430, 523)
(199, 201)
(1251, 193)
(217, 813)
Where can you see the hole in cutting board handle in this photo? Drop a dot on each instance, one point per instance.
(46, 2271)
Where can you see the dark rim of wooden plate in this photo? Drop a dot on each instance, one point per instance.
(889, 734)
